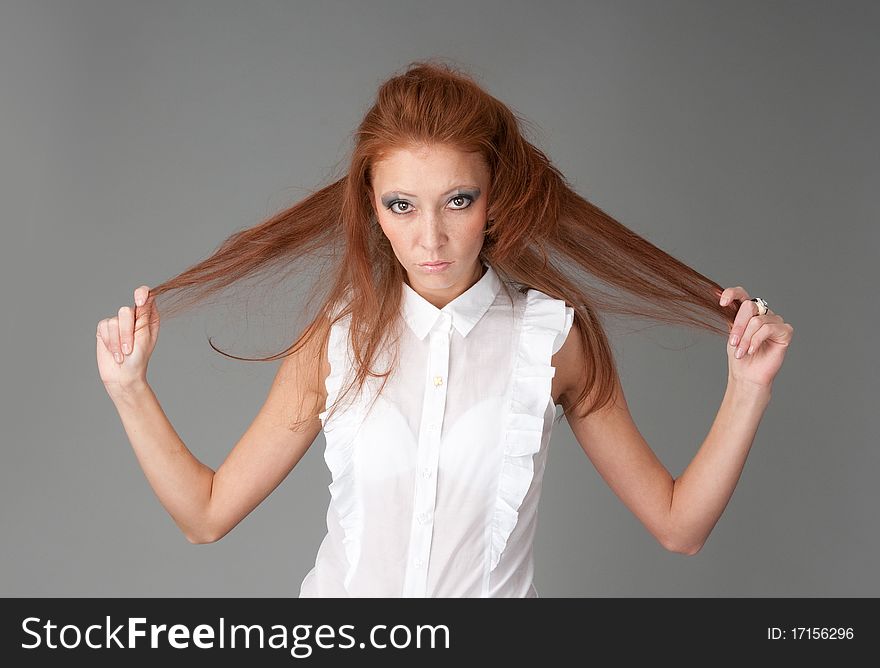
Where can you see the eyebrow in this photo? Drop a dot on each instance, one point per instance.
(386, 197)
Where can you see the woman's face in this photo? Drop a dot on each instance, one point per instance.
(431, 204)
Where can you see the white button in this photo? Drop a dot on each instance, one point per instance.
(418, 563)
(424, 518)
(426, 472)
(438, 380)
(432, 427)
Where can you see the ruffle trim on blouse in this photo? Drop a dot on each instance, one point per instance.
(544, 319)
(340, 434)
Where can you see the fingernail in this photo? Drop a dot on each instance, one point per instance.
(734, 339)
(751, 349)
(118, 358)
(738, 353)
(139, 301)
(126, 348)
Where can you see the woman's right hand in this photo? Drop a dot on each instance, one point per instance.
(132, 334)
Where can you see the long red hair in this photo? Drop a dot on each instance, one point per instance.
(541, 234)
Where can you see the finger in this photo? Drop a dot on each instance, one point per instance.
(141, 305)
(747, 310)
(758, 338)
(756, 332)
(755, 323)
(776, 328)
(729, 294)
(152, 314)
(113, 346)
(126, 329)
(140, 295)
(102, 331)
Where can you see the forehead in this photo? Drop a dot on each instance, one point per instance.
(429, 161)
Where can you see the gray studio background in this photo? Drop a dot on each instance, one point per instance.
(739, 136)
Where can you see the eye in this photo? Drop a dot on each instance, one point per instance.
(397, 201)
(466, 198)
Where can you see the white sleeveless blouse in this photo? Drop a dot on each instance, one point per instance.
(435, 488)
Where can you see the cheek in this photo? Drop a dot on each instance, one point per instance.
(476, 228)
(394, 233)
(396, 238)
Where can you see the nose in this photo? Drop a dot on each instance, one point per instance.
(432, 233)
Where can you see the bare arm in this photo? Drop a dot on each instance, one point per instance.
(182, 482)
(269, 449)
(703, 490)
(204, 504)
(679, 513)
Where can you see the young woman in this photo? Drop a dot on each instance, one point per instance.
(453, 324)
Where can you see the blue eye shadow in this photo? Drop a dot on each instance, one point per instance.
(388, 198)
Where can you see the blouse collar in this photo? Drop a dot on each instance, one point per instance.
(465, 310)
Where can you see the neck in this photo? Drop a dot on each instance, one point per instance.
(440, 298)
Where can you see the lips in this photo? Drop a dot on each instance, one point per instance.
(434, 264)
(435, 267)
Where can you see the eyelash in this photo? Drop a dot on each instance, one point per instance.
(403, 213)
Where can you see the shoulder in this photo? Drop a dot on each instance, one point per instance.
(568, 358)
(542, 308)
(546, 313)
(548, 330)
(309, 366)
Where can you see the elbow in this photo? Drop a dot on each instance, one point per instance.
(202, 537)
(203, 530)
(675, 541)
(691, 550)
(688, 549)
(199, 540)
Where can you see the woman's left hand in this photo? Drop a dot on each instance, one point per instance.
(757, 343)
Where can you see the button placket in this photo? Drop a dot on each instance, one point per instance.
(425, 492)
